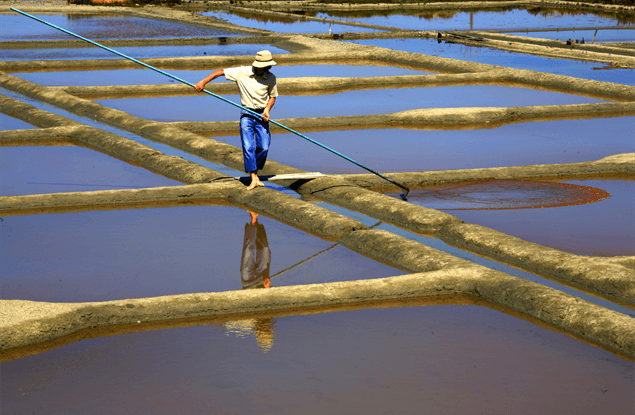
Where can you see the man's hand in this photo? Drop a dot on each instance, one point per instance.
(199, 87)
(265, 114)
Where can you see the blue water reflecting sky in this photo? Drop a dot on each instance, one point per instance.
(139, 52)
(602, 36)
(19, 27)
(578, 69)
(290, 26)
(148, 77)
(480, 20)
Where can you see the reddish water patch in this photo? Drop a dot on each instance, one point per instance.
(507, 194)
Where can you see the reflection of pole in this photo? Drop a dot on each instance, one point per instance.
(316, 255)
(471, 20)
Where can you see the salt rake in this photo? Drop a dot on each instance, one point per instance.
(404, 187)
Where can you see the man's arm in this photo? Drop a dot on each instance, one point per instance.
(199, 87)
(265, 113)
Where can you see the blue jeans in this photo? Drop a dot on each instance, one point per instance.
(255, 138)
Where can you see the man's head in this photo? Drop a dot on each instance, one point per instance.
(264, 61)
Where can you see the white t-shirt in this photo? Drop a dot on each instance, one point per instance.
(255, 91)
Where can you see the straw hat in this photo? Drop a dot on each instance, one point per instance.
(263, 59)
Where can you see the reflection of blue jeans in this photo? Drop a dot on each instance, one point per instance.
(256, 258)
(255, 138)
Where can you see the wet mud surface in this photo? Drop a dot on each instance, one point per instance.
(450, 359)
(507, 194)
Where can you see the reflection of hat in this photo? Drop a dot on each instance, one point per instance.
(263, 59)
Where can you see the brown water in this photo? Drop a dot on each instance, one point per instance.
(118, 254)
(493, 194)
(34, 170)
(448, 359)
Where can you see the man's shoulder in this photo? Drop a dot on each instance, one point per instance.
(238, 71)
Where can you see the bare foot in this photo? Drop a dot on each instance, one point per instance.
(255, 182)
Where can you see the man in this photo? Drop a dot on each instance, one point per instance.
(258, 92)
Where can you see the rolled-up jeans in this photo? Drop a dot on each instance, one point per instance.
(255, 138)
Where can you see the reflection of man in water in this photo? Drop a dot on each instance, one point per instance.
(263, 328)
(254, 264)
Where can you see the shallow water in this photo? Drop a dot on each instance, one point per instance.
(448, 359)
(10, 123)
(397, 150)
(149, 77)
(579, 69)
(439, 245)
(165, 149)
(34, 170)
(605, 228)
(138, 52)
(359, 102)
(485, 20)
(491, 194)
(119, 254)
(286, 26)
(99, 26)
(603, 35)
